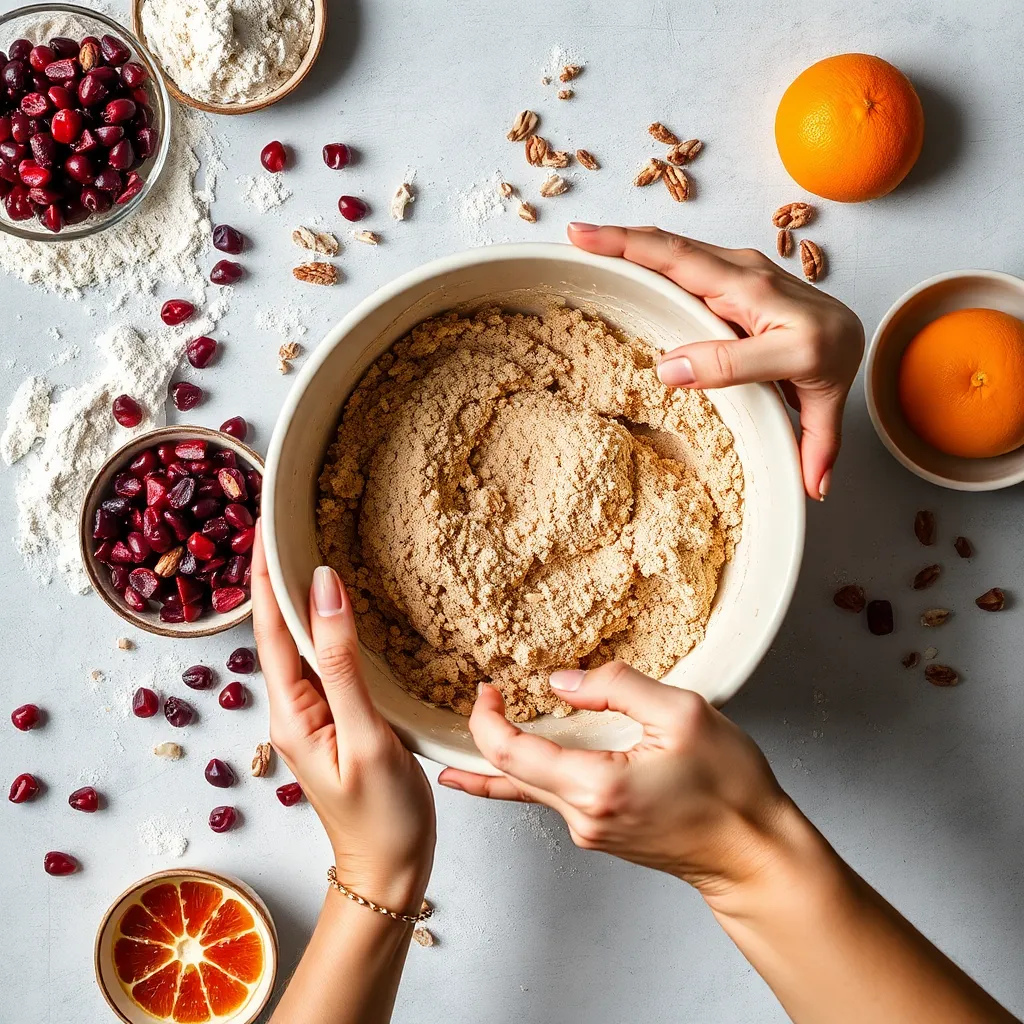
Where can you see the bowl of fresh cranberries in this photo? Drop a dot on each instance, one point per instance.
(167, 529)
(84, 122)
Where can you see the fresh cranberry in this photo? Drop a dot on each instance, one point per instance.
(139, 546)
(34, 104)
(238, 516)
(217, 529)
(289, 794)
(64, 47)
(15, 76)
(40, 56)
(145, 581)
(64, 70)
(108, 180)
(26, 717)
(178, 712)
(52, 218)
(200, 351)
(135, 600)
(66, 126)
(79, 168)
(85, 799)
(191, 450)
(133, 74)
(109, 134)
(145, 142)
(352, 208)
(23, 788)
(242, 661)
(17, 203)
(227, 239)
(127, 411)
(232, 697)
(121, 156)
(235, 427)
(57, 863)
(226, 272)
(176, 311)
(114, 51)
(274, 157)
(337, 155)
(219, 774)
(33, 175)
(20, 49)
(198, 677)
(132, 187)
(186, 396)
(91, 90)
(223, 819)
(95, 201)
(243, 541)
(145, 703)
(202, 547)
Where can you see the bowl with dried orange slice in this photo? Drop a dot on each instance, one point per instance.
(187, 946)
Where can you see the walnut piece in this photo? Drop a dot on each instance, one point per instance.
(588, 159)
(400, 200)
(423, 936)
(316, 273)
(812, 260)
(261, 760)
(524, 124)
(289, 350)
(554, 186)
(316, 241)
(659, 132)
(569, 72)
(566, 94)
(556, 158)
(649, 173)
(528, 212)
(124, 644)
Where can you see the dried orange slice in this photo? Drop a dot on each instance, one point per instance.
(189, 952)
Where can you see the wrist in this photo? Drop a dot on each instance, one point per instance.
(401, 889)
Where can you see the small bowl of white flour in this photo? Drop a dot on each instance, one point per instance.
(231, 56)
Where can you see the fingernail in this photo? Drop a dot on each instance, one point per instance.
(567, 678)
(451, 785)
(582, 225)
(826, 483)
(327, 594)
(676, 372)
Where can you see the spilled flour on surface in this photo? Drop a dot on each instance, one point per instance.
(161, 838)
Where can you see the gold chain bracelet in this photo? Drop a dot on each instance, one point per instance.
(332, 881)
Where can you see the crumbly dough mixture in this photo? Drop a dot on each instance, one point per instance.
(509, 495)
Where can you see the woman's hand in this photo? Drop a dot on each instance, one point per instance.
(694, 797)
(368, 790)
(798, 335)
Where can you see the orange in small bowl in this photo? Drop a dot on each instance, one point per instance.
(187, 947)
(961, 383)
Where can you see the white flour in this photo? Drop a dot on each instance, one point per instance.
(263, 192)
(161, 838)
(27, 418)
(285, 319)
(477, 205)
(228, 51)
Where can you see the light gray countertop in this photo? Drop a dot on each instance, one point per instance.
(918, 787)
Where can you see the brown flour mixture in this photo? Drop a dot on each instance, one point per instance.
(509, 495)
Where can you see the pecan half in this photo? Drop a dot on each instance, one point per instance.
(940, 675)
(316, 273)
(684, 152)
(536, 150)
(812, 260)
(992, 600)
(261, 760)
(167, 564)
(554, 186)
(587, 159)
(784, 243)
(963, 547)
(528, 212)
(911, 660)
(935, 616)
(522, 126)
(569, 72)
(924, 527)
(850, 598)
(927, 577)
(649, 173)
(677, 183)
(880, 620)
(659, 132)
(793, 215)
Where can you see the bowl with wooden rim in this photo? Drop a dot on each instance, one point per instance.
(101, 488)
(288, 86)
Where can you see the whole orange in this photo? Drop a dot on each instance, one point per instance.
(961, 383)
(849, 128)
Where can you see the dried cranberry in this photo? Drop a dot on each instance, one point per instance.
(20, 49)
(182, 493)
(205, 508)
(232, 697)
(189, 591)
(178, 712)
(176, 311)
(61, 98)
(33, 175)
(64, 70)
(57, 863)
(236, 427)
(26, 717)
(132, 187)
(241, 660)
(139, 546)
(23, 788)
(217, 529)
(64, 47)
(105, 525)
(188, 563)
(17, 203)
(15, 76)
(121, 553)
(41, 55)
(121, 155)
(178, 523)
(200, 351)
(85, 799)
(95, 201)
(222, 819)
(109, 180)
(236, 569)
(238, 516)
(227, 458)
(145, 142)
(127, 411)
(34, 104)
(186, 396)
(109, 134)
(44, 149)
(78, 167)
(66, 126)
(337, 155)
(114, 51)
(202, 547)
(52, 218)
(119, 578)
(145, 703)
(91, 90)
(227, 239)
(172, 613)
(289, 794)
(273, 157)
(198, 677)
(219, 774)
(352, 208)
(145, 581)
(243, 541)
(133, 74)
(226, 272)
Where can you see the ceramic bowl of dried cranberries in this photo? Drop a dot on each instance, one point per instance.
(167, 529)
(84, 122)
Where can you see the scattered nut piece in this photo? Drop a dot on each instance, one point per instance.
(96, 675)
(684, 152)
(963, 547)
(850, 598)
(812, 260)
(587, 159)
(927, 577)
(169, 750)
(566, 94)
(167, 564)
(316, 273)
(554, 186)
(924, 527)
(556, 158)
(536, 149)
(289, 350)
(659, 132)
(528, 212)
(677, 183)
(940, 675)
(649, 173)
(505, 190)
(929, 653)
(569, 72)
(880, 620)
(911, 660)
(261, 760)
(423, 936)
(316, 241)
(88, 55)
(400, 200)
(124, 644)
(426, 908)
(992, 600)
(793, 215)
(784, 243)
(366, 237)
(283, 366)
(935, 616)
(545, 80)
(524, 124)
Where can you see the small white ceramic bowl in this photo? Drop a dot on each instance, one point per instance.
(756, 587)
(958, 289)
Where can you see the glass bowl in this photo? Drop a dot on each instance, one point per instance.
(41, 22)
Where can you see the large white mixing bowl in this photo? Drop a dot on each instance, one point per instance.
(756, 587)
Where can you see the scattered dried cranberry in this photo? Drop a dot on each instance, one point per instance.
(145, 703)
(198, 677)
(127, 411)
(352, 208)
(241, 660)
(289, 794)
(222, 819)
(176, 311)
(236, 427)
(226, 272)
(57, 863)
(26, 717)
(232, 697)
(337, 155)
(273, 157)
(200, 351)
(23, 788)
(186, 396)
(85, 799)
(178, 712)
(227, 239)
(219, 774)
